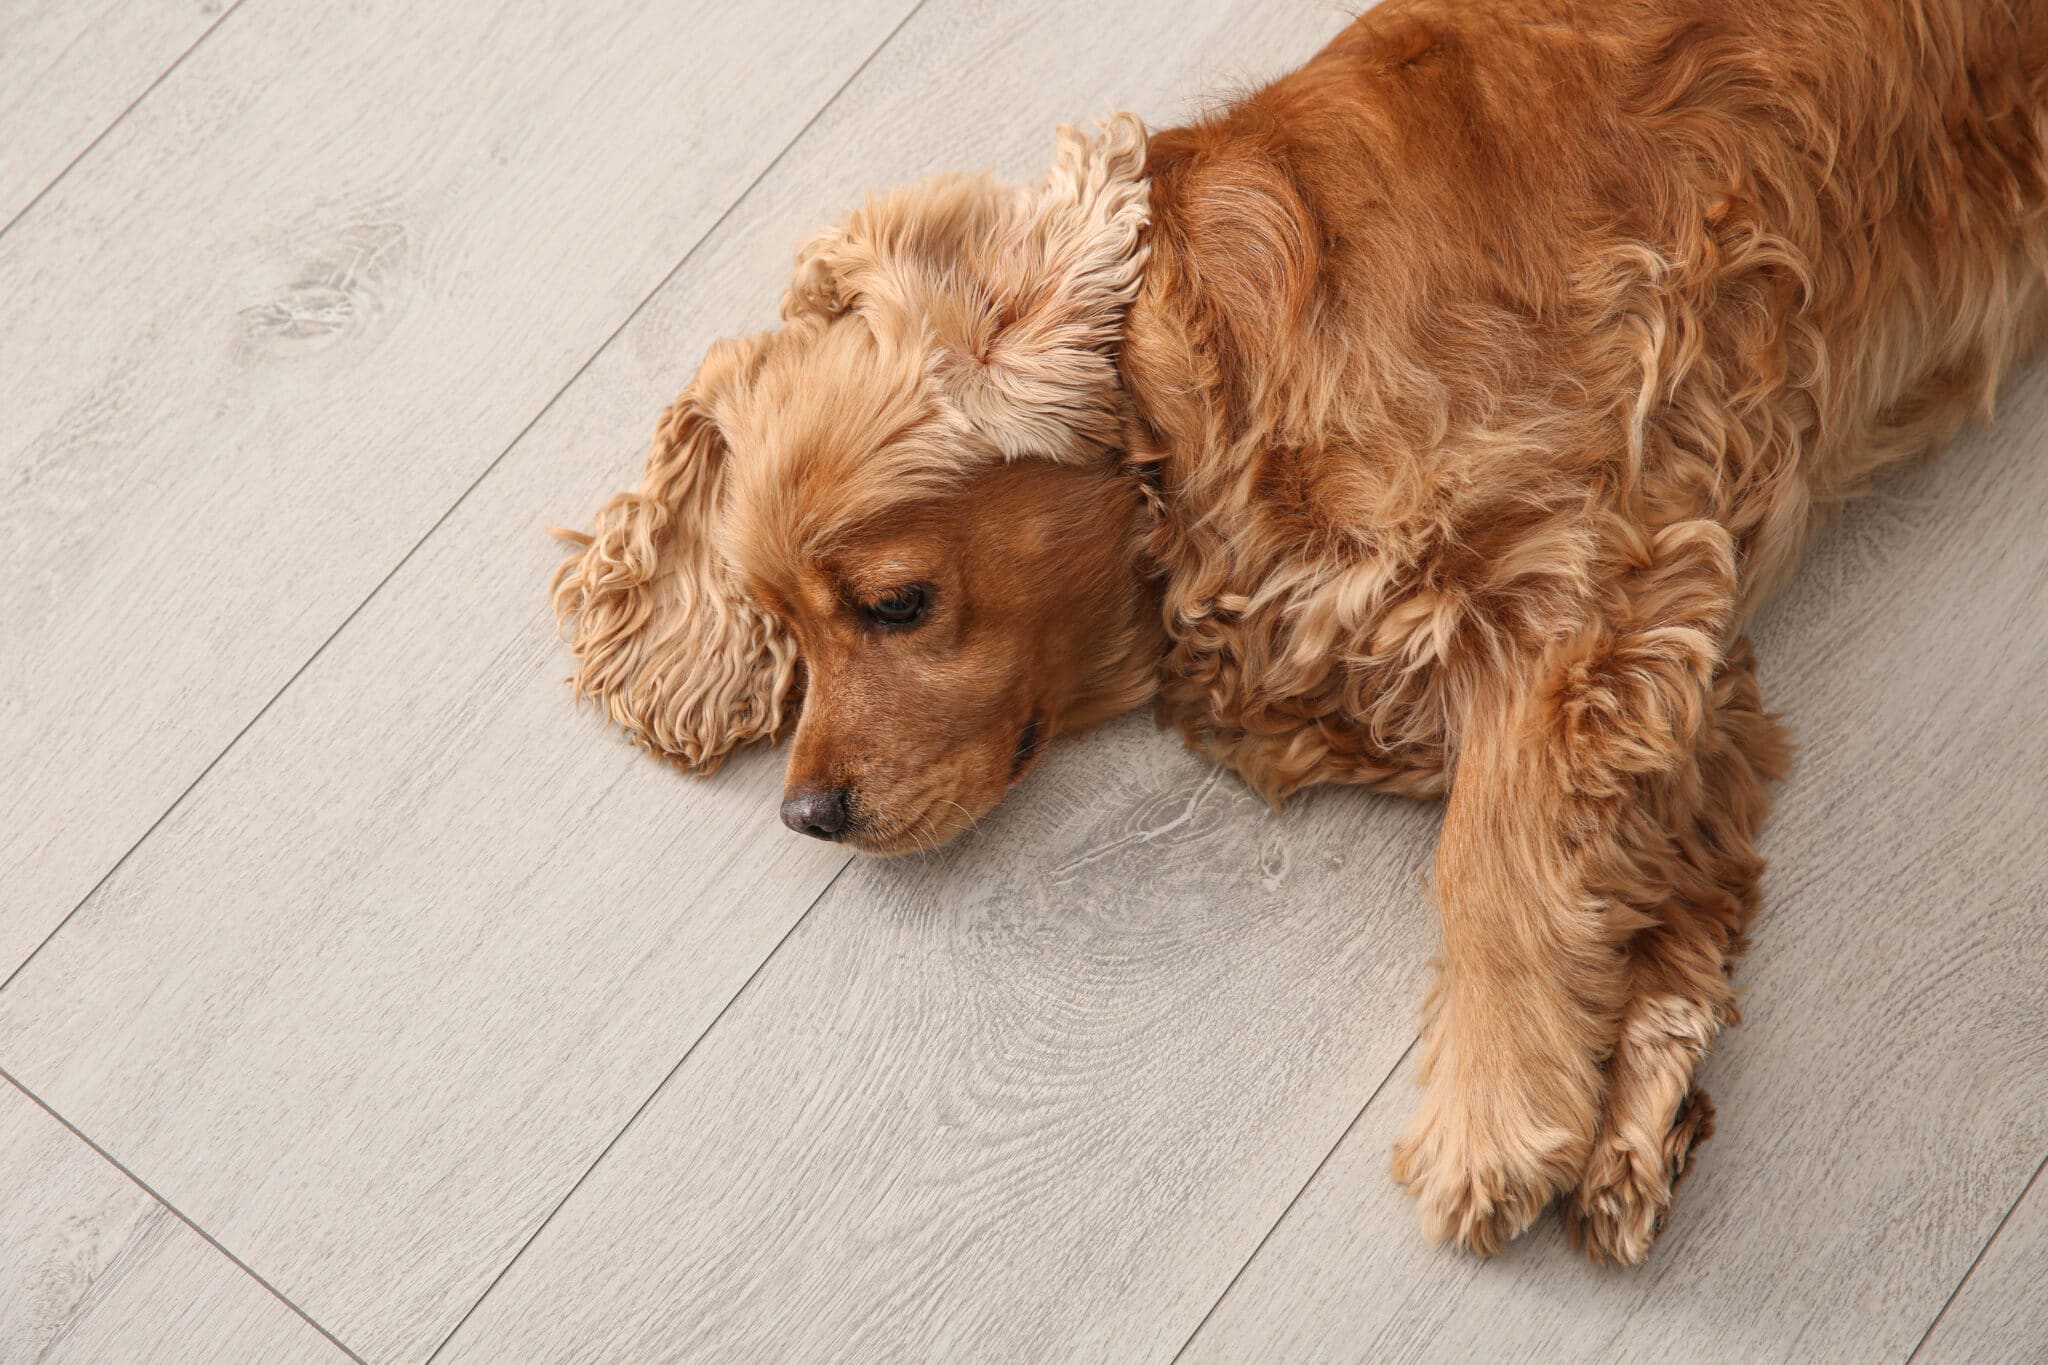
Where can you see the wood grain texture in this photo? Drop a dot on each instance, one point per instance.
(2000, 1317)
(92, 1269)
(1887, 1097)
(1034, 1097)
(309, 290)
(68, 68)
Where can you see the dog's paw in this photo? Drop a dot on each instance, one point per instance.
(1480, 1185)
(1621, 1206)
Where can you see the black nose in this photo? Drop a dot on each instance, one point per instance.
(820, 814)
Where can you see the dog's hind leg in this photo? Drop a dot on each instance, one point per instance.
(1680, 995)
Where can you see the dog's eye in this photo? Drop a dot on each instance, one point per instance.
(899, 608)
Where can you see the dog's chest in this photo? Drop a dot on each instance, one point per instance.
(1297, 658)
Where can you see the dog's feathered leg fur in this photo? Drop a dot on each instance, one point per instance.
(1680, 994)
(1548, 865)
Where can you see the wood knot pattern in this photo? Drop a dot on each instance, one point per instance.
(339, 292)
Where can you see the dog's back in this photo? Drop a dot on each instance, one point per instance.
(1720, 258)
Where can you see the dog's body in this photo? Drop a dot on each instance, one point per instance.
(1433, 418)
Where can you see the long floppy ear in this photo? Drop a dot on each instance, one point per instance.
(1024, 290)
(664, 638)
(1040, 376)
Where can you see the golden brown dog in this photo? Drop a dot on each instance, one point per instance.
(1434, 419)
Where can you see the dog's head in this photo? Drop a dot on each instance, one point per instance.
(902, 519)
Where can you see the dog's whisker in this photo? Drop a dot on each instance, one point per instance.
(972, 823)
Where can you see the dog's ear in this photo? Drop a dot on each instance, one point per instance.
(1024, 291)
(1038, 373)
(900, 249)
(664, 638)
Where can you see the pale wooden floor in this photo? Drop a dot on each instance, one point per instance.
(362, 999)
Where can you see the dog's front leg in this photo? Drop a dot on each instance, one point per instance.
(1554, 845)
(1680, 994)
(1530, 980)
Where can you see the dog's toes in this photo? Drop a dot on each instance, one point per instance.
(1477, 1194)
(1621, 1206)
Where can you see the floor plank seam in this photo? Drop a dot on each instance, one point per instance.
(1976, 1261)
(1342, 1137)
(652, 1095)
(179, 1214)
(118, 119)
(453, 507)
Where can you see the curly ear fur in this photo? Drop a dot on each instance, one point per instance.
(1044, 381)
(663, 637)
(1025, 291)
(900, 245)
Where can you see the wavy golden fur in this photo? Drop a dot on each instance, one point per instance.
(1433, 418)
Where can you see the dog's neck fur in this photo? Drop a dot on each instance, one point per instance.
(1130, 668)
(1206, 411)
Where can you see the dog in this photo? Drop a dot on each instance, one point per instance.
(1434, 418)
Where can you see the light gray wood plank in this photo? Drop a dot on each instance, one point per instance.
(368, 1003)
(1034, 1097)
(1887, 1096)
(2000, 1315)
(66, 1216)
(68, 68)
(311, 288)
(92, 1269)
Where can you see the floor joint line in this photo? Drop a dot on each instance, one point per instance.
(120, 118)
(178, 1214)
(1267, 1236)
(1976, 1261)
(634, 1117)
